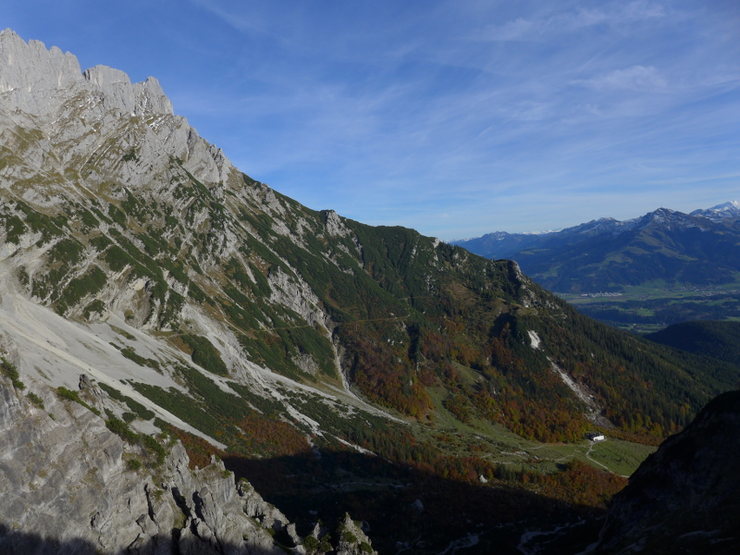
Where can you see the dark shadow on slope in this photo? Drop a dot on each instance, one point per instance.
(14, 542)
(405, 510)
(412, 511)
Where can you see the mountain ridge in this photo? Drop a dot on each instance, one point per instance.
(717, 339)
(262, 292)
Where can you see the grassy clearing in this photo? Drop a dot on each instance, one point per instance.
(621, 457)
(618, 456)
(496, 444)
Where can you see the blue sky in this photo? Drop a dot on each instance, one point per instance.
(453, 117)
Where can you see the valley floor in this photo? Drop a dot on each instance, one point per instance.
(647, 309)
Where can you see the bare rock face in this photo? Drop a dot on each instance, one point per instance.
(685, 498)
(69, 487)
(29, 70)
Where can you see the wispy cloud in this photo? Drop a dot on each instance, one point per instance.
(566, 21)
(635, 78)
(240, 20)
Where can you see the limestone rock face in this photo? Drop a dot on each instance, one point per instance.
(29, 69)
(67, 488)
(33, 75)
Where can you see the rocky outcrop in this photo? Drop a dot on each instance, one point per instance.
(71, 485)
(685, 498)
(352, 539)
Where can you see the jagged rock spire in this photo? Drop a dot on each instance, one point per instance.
(30, 73)
(45, 91)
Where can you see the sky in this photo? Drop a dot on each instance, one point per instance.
(454, 117)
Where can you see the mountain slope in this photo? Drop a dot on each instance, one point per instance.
(607, 255)
(29, 479)
(209, 307)
(720, 340)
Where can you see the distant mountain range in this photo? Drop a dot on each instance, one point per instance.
(664, 246)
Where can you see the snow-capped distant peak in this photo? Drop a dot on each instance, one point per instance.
(730, 209)
(725, 206)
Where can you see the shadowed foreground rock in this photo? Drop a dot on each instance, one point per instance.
(685, 498)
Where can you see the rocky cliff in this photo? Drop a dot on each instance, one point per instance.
(74, 481)
(89, 492)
